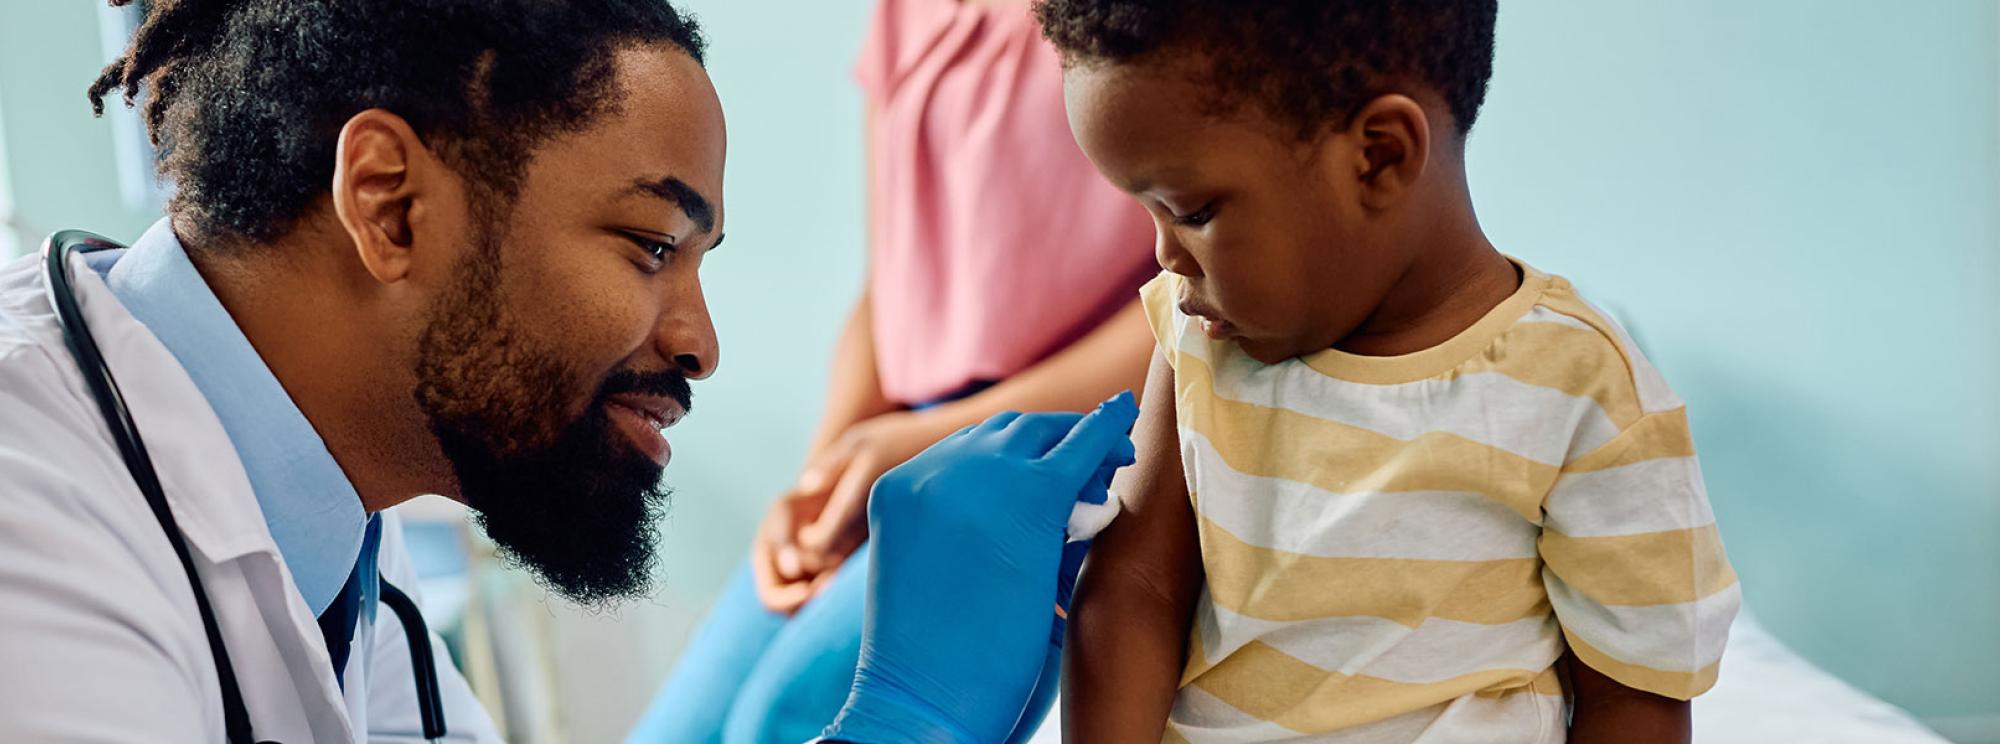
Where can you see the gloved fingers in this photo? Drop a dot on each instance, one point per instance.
(998, 421)
(1098, 488)
(1030, 435)
(1103, 436)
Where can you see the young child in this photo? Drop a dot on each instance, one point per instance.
(1393, 486)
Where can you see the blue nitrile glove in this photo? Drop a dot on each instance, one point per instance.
(1049, 682)
(969, 545)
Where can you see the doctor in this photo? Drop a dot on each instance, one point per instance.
(433, 246)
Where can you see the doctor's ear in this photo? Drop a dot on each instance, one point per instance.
(380, 169)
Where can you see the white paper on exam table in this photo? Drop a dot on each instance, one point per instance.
(1766, 693)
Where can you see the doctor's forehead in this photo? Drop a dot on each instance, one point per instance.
(666, 127)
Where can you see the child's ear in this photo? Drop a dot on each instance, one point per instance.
(1393, 137)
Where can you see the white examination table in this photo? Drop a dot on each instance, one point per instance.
(1766, 694)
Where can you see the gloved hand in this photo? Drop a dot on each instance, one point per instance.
(969, 545)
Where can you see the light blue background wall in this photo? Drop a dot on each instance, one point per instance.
(1796, 204)
(62, 170)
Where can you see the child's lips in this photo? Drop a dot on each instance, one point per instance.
(1212, 322)
(1217, 329)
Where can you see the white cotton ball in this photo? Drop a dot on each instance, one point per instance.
(1086, 520)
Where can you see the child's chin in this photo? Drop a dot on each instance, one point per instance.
(1268, 352)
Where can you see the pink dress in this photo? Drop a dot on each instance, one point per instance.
(995, 243)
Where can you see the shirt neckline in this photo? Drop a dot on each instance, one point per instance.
(1436, 360)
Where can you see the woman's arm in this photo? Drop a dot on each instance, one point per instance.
(1128, 626)
(854, 392)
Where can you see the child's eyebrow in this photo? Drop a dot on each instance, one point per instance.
(1147, 182)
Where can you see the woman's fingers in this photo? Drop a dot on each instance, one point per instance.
(789, 565)
(777, 593)
(843, 524)
(805, 506)
(824, 470)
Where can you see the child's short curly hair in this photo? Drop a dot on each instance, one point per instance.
(1311, 62)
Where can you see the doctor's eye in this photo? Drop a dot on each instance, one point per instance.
(656, 251)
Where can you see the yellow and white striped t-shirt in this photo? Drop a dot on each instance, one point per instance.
(1398, 548)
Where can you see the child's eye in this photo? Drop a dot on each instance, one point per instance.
(1196, 218)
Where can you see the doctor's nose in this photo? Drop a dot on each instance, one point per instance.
(686, 337)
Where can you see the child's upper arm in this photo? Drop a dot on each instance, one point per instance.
(1154, 543)
(1128, 627)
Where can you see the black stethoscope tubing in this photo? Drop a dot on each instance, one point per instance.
(111, 403)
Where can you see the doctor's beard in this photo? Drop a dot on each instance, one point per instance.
(561, 494)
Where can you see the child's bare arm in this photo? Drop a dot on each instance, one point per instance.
(1128, 624)
(1607, 711)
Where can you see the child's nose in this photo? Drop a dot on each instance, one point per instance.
(1173, 256)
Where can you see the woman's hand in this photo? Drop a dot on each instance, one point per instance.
(819, 522)
(783, 592)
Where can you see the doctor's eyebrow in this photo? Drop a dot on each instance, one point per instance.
(678, 193)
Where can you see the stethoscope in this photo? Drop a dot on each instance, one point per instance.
(104, 388)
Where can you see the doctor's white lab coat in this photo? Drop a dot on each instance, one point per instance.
(99, 637)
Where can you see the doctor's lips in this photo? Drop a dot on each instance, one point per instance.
(1212, 322)
(643, 406)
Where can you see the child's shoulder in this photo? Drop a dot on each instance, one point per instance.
(1567, 342)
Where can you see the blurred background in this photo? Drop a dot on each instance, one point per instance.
(1794, 205)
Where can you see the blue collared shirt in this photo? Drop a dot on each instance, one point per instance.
(313, 512)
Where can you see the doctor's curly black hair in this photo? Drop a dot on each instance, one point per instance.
(246, 97)
(1307, 62)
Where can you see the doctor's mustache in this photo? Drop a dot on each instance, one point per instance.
(664, 383)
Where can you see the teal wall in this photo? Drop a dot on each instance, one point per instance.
(1796, 205)
(61, 164)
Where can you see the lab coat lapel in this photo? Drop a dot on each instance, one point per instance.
(275, 647)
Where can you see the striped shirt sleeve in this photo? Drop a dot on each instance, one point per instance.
(1634, 567)
(1157, 296)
